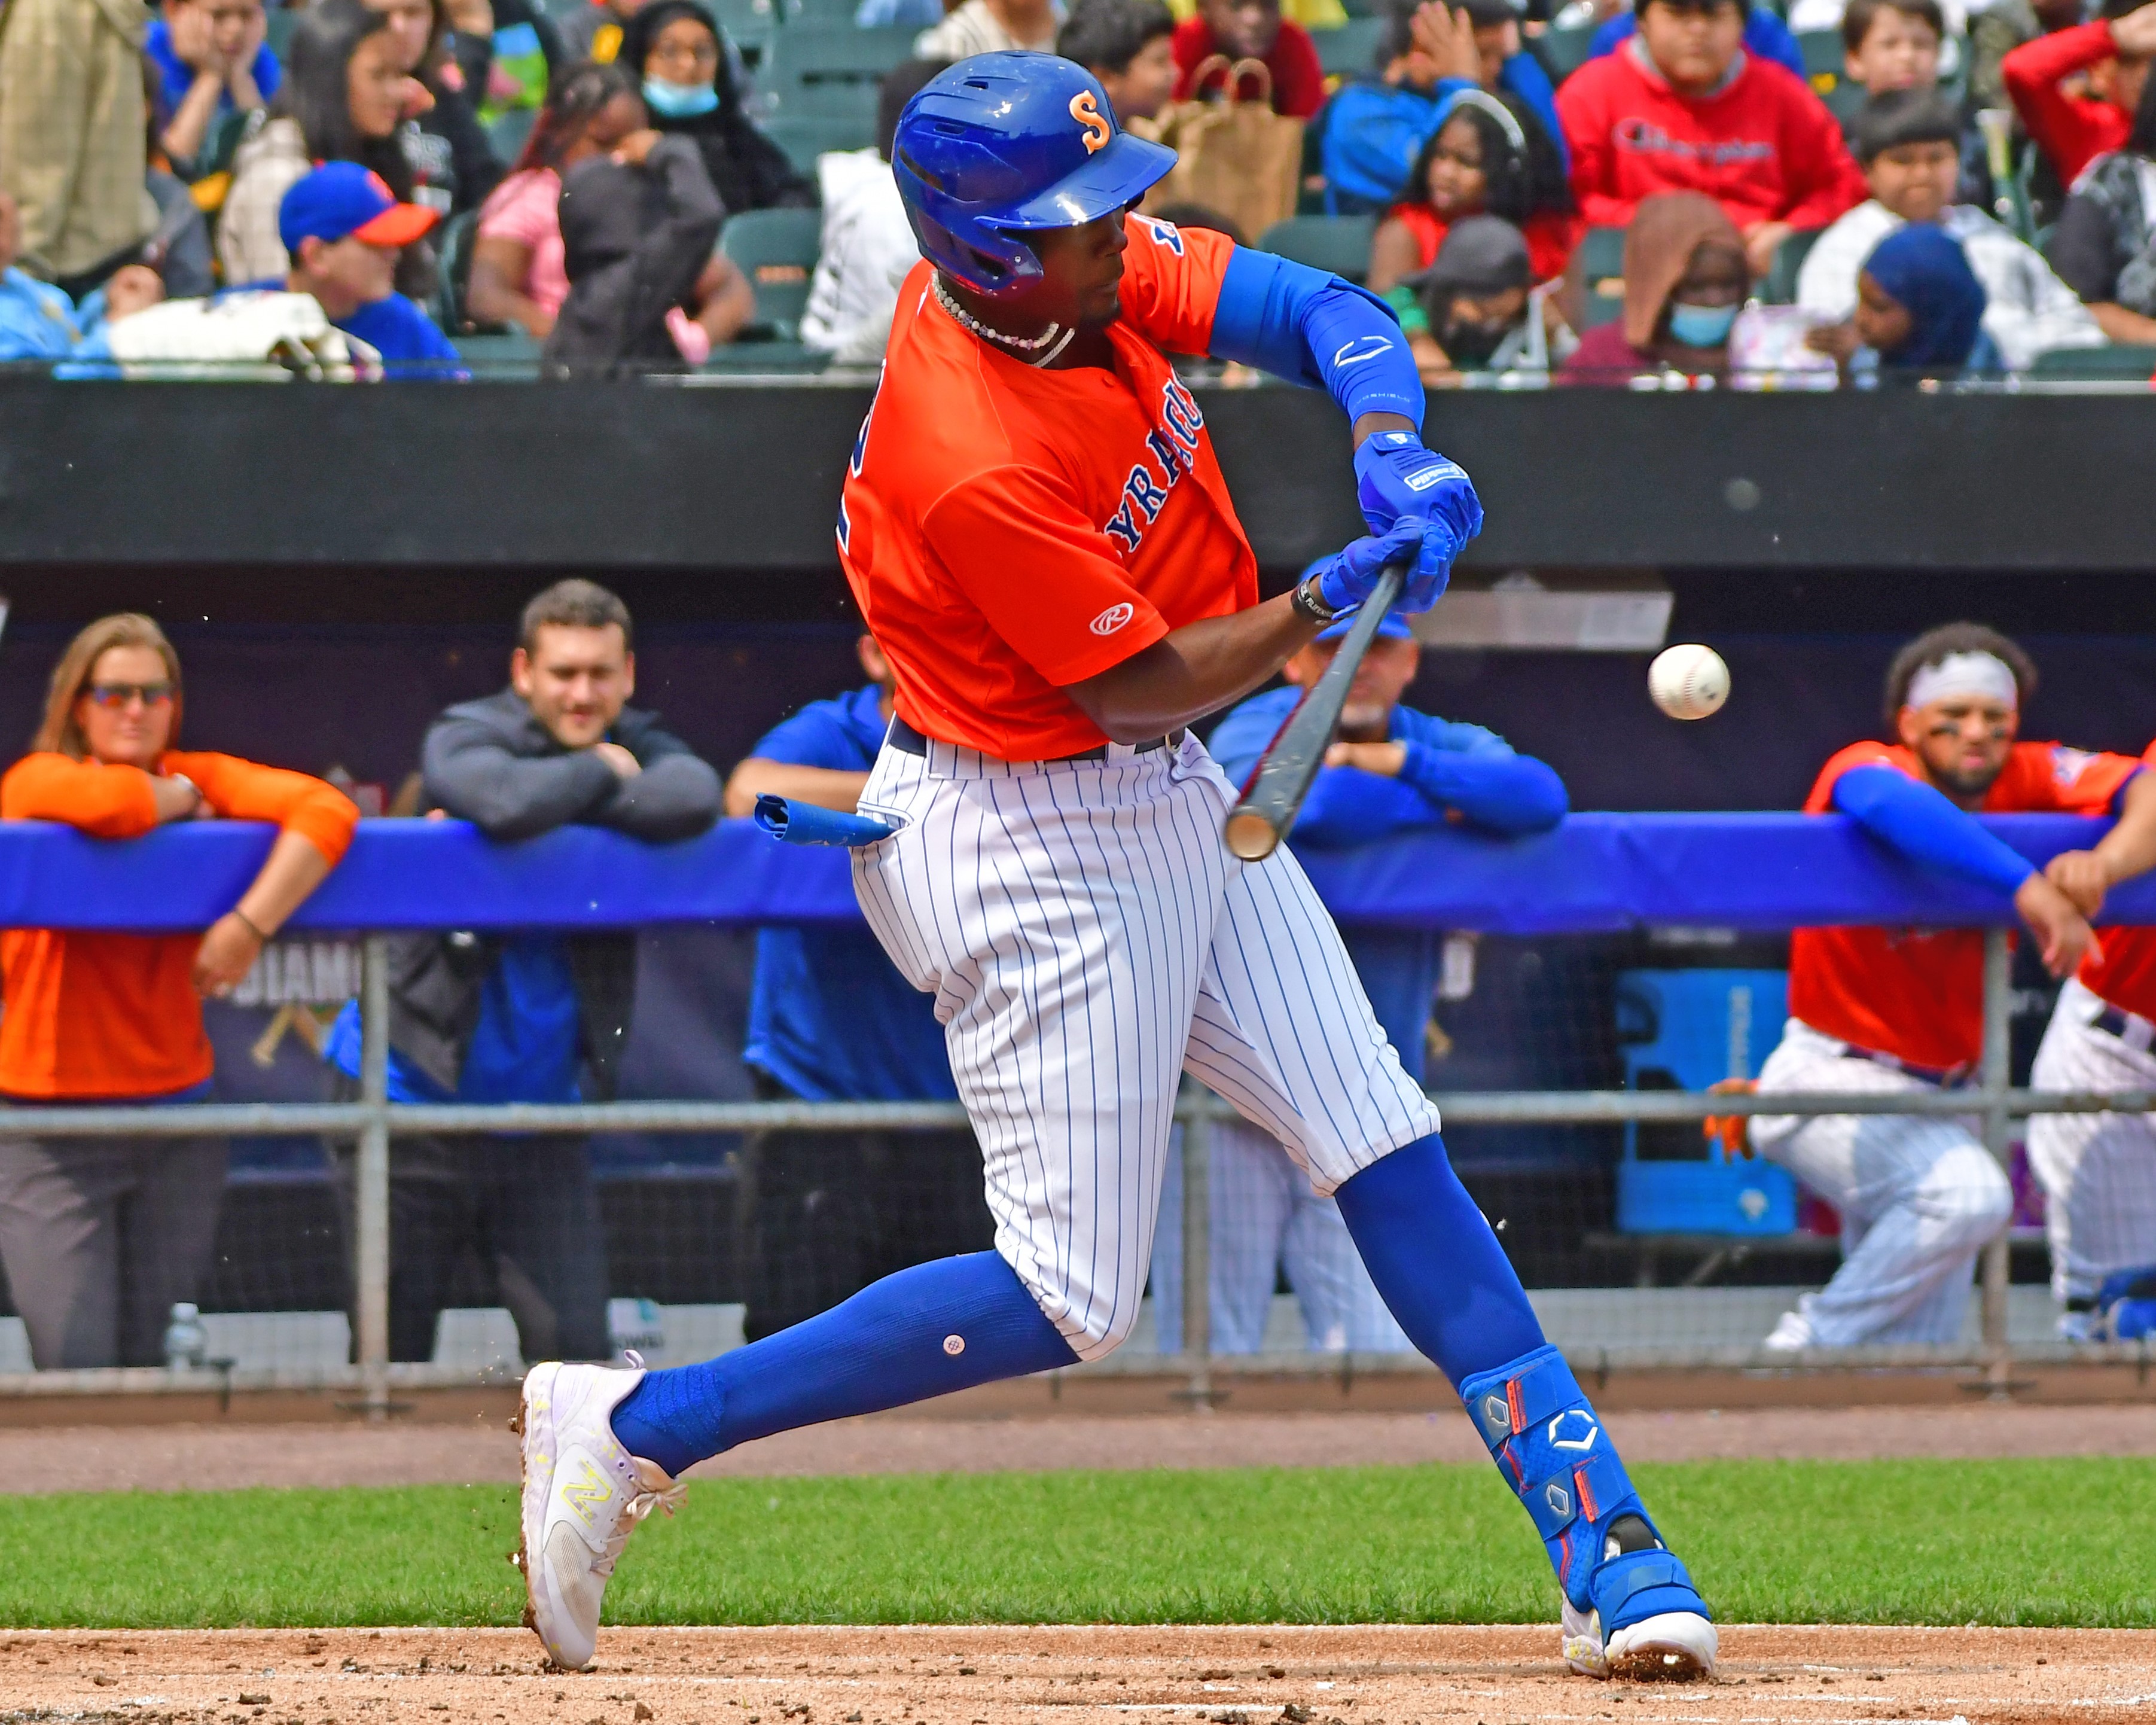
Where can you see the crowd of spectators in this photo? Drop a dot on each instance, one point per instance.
(148, 156)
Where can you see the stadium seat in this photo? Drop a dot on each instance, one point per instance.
(1601, 264)
(511, 356)
(776, 249)
(2094, 365)
(1352, 48)
(453, 250)
(1563, 52)
(825, 71)
(506, 136)
(1339, 243)
(805, 139)
(1823, 54)
(754, 358)
(281, 21)
(1781, 287)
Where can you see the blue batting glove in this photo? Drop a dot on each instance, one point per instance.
(1397, 479)
(1345, 579)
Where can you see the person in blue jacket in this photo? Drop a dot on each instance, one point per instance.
(1374, 127)
(1393, 770)
(820, 1215)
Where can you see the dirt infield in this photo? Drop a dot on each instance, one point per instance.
(1052, 1676)
(222, 1457)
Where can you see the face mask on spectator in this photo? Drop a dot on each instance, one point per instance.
(679, 101)
(1701, 325)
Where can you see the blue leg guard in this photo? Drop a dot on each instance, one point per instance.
(1547, 1440)
(923, 1332)
(2125, 1305)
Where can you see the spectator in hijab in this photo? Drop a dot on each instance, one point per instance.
(1375, 128)
(868, 246)
(454, 167)
(1907, 141)
(1682, 107)
(692, 90)
(1478, 309)
(345, 95)
(1125, 44)
(2105, 245)
(1920, 307)
(2109, 60)
(1244, 30)
(989, 26)
(1486, 157)
(211, 62)
(1685, 277)
(519, 273)
(638, 226)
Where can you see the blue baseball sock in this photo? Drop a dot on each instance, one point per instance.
(891, 1343)
(1436, 1263)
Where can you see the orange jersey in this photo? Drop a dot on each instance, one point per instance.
(1009, 531)
(1918, 993)
(2125, 974)
(95, 1014)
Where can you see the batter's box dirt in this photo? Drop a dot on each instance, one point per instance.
(1057, 1676)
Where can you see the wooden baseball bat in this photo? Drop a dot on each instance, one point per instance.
(1273, 798)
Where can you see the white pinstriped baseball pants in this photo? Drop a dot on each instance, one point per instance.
(2098, 1171)
(1919, 1196)
(1088, 938)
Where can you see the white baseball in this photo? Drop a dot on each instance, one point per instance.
(1688, 681)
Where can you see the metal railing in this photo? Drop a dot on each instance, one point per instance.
(374, 1121)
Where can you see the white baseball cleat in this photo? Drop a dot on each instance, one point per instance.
(1671, 1646)
(583, 1496)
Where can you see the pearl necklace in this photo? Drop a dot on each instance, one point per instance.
(1021, 347)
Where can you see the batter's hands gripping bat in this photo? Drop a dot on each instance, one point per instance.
(1274, 795)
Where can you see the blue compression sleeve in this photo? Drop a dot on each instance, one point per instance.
(889, 1345)
(1436, 1262)
(1309, 327)
(1926, 828)
(1508, 794)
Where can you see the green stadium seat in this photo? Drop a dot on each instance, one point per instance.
(776, 249)
(280, 21)
(739, 357)
(1339, 243)
(1601, 263)
(1350, 48)
(2094, 365)
(1781, 287)
(805, 139)
(506, 136)
(830, 71)
(511, 356)
(1563, 52)
(1822, 51)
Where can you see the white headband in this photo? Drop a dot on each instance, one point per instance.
(1984, 675)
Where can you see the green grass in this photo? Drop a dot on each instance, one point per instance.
(2048, 1543)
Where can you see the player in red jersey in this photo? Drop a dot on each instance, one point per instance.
(2098, 1171)
(1886, 1010)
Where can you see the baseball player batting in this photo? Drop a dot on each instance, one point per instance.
(1039, 536)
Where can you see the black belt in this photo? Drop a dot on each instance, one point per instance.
(1944, 1077)
(903, 737)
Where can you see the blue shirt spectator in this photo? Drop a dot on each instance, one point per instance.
(829, 1018)
(1395, 770)
(37, 319)
(523, 1048)
(344, 231)
(176, 77)
(889, 14)
(1764, 34)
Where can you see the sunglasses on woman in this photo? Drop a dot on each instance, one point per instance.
(116, 696)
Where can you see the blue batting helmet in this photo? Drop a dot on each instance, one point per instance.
(1002, 144)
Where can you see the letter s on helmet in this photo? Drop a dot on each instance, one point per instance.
(1005, 144)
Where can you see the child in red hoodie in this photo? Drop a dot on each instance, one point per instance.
(2113, 53)
(1681, 107)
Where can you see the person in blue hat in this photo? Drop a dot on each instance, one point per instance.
(344, 230)
(1392, 770)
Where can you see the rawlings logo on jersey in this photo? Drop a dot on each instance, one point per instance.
(1087, 113)
(1174, 446)
(1113, 618)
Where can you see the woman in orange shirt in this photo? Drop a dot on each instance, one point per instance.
(99, 1236)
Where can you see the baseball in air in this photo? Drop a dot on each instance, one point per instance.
(1688, 681)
